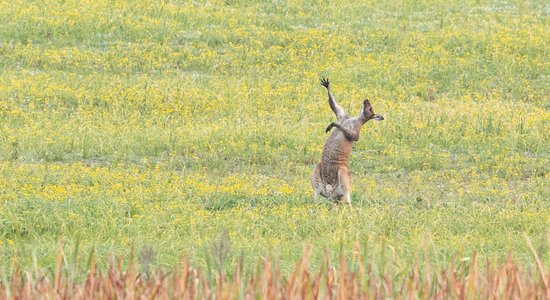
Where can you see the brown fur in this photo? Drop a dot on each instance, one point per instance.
(331, 178)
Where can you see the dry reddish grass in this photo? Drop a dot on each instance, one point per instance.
(473, 280)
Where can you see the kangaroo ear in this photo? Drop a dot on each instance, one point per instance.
(366, 105)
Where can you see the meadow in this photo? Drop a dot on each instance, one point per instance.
(181, 128)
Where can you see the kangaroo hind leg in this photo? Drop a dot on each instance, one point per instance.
(344, 180)
(316, 184)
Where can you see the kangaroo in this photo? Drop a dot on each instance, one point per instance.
(331, 178)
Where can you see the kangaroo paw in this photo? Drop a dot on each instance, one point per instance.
(325, 82)
(329, 189)
(329, 127)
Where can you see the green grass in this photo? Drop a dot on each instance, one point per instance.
(162, 125)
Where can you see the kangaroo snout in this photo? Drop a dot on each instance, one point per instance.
(378, 118)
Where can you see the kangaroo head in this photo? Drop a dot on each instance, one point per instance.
(367, 113)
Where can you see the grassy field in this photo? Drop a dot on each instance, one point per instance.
(171, 127)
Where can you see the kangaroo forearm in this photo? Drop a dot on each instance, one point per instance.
(349, 134)
(331, 101)
(340, 113)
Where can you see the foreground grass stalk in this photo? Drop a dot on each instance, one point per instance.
(506, 280)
